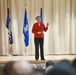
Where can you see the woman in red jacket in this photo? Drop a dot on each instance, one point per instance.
(38, 29)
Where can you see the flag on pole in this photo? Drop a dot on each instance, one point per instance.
(41, 15)
(8, 26)
(26, 29)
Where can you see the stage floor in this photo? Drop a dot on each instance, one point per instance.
(30, 58)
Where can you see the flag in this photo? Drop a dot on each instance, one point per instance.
(8, 19)
(8, 26)
(41, 17)
(26, 29)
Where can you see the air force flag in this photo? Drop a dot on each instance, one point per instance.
(8, 26)
(26, 29)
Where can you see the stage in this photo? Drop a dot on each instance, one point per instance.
(30, 58)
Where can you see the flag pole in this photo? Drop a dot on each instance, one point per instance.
(25, 51)
(25, 46)
(25, 31)
(8, 26)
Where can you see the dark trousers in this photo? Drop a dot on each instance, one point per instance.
(39, 42)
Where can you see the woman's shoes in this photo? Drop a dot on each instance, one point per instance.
(42, 59)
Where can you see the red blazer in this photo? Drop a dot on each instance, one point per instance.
(36, 28)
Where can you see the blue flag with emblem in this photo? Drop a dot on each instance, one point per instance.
(8, 26)
(26, 29)
(41, 15)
